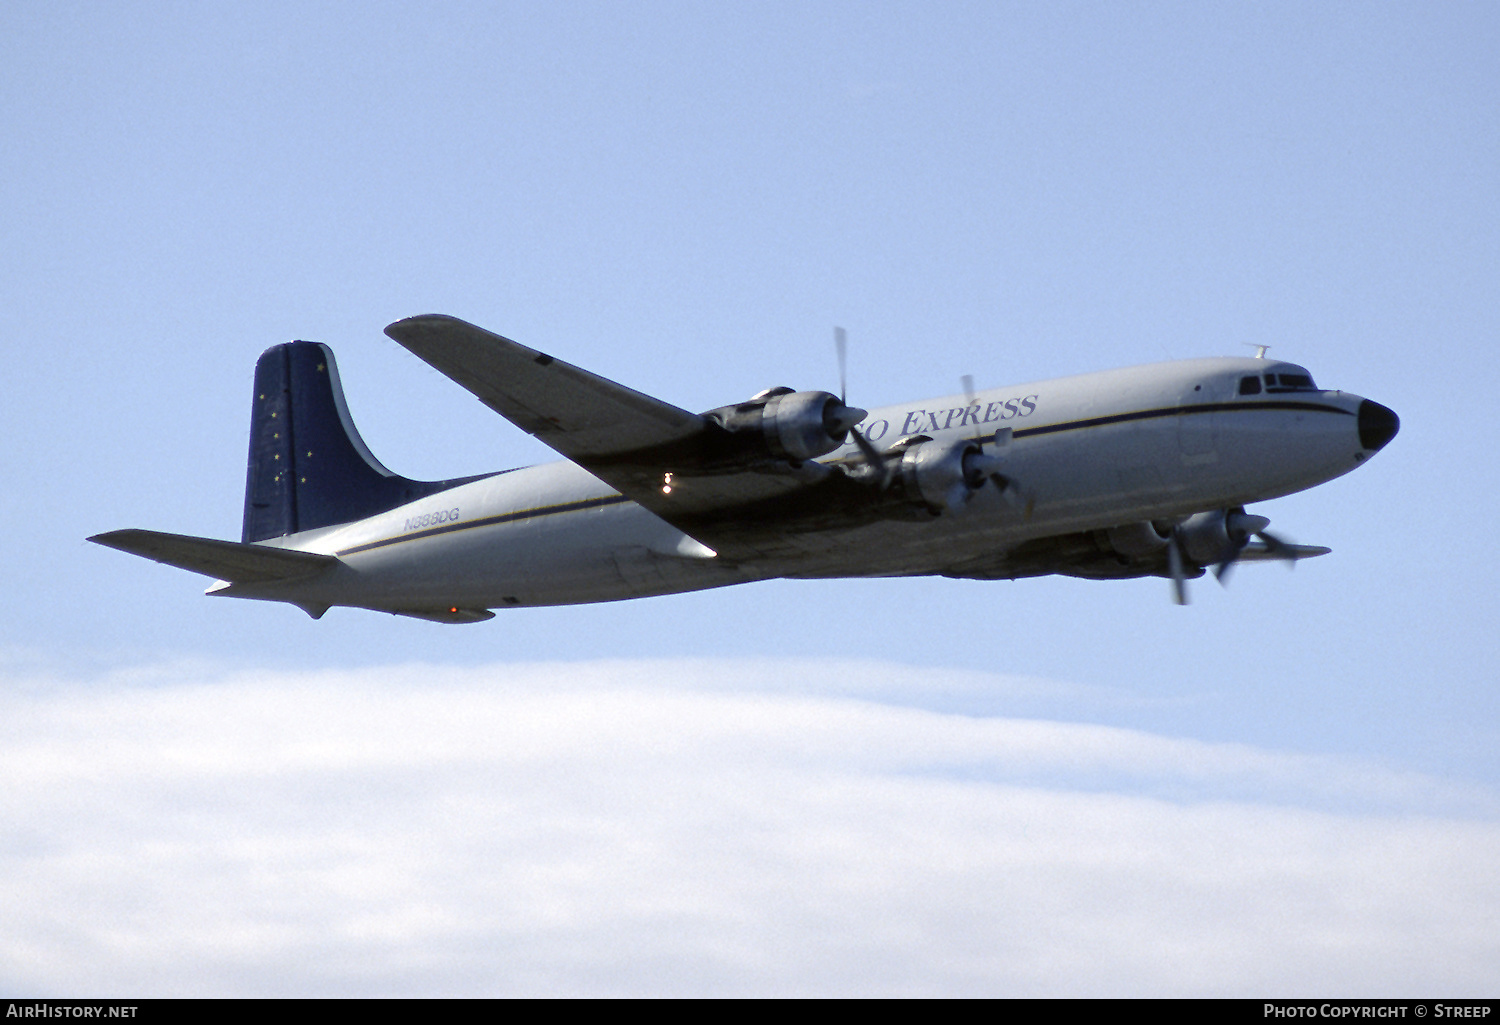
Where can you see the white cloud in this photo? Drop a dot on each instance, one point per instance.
(695, 827)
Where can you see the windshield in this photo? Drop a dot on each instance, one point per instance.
(1295, 379)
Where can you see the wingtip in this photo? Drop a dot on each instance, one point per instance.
(114, 538)
(397, 328)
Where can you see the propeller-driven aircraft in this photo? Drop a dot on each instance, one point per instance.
(1119, 474)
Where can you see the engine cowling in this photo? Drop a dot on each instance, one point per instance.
(1139, 540)
(806, 424)
(1203, 538)
(793, 425)
(945, 475)
(1186, 548)
(1211, 537)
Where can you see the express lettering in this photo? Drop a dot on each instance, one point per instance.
(920, 420)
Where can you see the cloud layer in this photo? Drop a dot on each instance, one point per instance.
(698, 827)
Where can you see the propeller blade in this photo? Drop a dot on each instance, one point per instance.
(980, 465)
(1275, 548)
(1179, 575)
(1241, 526)
(848, 416)
(1278, 549)
(957, 496)
(1221, 571)
(841, 344)
(1010, 494)
(968, 383)
(873, 457)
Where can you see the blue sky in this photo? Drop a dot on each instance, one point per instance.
(687, 198)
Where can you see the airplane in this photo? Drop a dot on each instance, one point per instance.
(1110, 475)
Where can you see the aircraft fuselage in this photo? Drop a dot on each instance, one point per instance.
(1089, 453)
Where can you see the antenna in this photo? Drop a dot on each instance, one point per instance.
(1260, 350)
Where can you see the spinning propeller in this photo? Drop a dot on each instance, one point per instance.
(870, 452)
(972, 465)
(1221, 539)
(989, 465)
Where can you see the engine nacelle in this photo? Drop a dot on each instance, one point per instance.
(945, 475)
(1210, 537)
(1139, 540)
(806, 424)
(1203, 538)
(793, 425)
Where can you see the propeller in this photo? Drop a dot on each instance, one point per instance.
(1276, 548)
(981, 466)
(977, 466)
(841, 344)
(872, 455)
(874, 458)
(1238, 528)
(1007, 487)
(990, 466)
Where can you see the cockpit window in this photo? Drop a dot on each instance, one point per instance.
(1249, 386)
(1290, 382)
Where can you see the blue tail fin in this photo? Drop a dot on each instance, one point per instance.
(308, 466)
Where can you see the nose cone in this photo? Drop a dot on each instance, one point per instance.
(1377, 425)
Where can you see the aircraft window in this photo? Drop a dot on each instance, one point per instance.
(1290, 382)
(1249, 386)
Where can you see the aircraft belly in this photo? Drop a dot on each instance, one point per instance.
(601, 552)
(616, 552)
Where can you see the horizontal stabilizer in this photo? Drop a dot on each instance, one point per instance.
(222, 560)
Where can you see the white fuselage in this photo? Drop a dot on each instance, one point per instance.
(1088, 452)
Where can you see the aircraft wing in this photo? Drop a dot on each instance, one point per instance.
(582, 415)
(678, 464)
